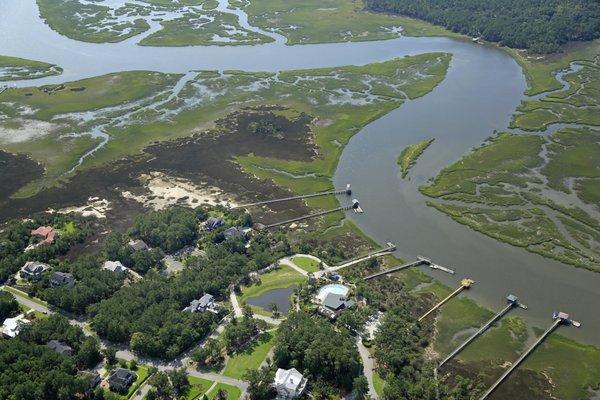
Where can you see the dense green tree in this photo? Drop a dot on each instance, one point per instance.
(260, 383)
(239, 334)
(93, 284)
(539, 25)
(360, 387)
(8, 305)
(169, 229)
(312, 345)
(29, 370)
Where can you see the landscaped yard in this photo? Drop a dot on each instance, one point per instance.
(233, 392)
(281, 278)
(306, 263)
(198, 386)
(254, 355)
(142, 374)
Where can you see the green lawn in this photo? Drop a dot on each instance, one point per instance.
(571, 366)
(251, 358)
(456, 315)
(198, 386)
(306, 263)
(378, 383)
(233, 392)
(281, 278)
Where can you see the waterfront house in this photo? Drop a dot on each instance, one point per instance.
(333, 304)
(234, 232)
(289, 383)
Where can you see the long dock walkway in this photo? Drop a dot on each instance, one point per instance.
(317, 214)
(464, 284)
(512, 303)
(419, 261)
(375, 253)
(506, 373)
(299, 197)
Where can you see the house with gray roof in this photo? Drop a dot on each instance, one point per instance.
(213, 223)
(234, 232)
(204, 303)
(138, 245)
(120, 379)
(60, 348)
(33, 270)
(333, 304)
(62, 278)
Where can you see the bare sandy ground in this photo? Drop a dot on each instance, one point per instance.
(163, 190)
(29, 130)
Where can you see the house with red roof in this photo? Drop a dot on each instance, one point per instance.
(46, 234)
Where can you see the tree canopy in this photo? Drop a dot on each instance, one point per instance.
(313, 346)
(538, 25)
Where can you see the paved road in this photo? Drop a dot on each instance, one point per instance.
(22, 299)
(125, 354)
(368, 367)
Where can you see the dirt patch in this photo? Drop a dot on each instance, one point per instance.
(207, 159)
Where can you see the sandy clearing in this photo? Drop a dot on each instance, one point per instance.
(164, 190)
(29, 130)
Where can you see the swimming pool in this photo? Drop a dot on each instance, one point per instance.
(333, 288)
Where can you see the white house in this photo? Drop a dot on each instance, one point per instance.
(289, 383)
(12, 326)
(115, 266)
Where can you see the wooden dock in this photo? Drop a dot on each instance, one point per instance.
(376, 253)
(514, 366)
(317, 214)
(346, 191)
(419, 261)
(464, 284)
(512, 303)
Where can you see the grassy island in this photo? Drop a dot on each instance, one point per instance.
(14, 68)
(409, 156)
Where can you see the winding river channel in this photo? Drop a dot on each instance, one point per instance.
(481, 91)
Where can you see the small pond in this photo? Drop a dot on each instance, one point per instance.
(281, 297)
